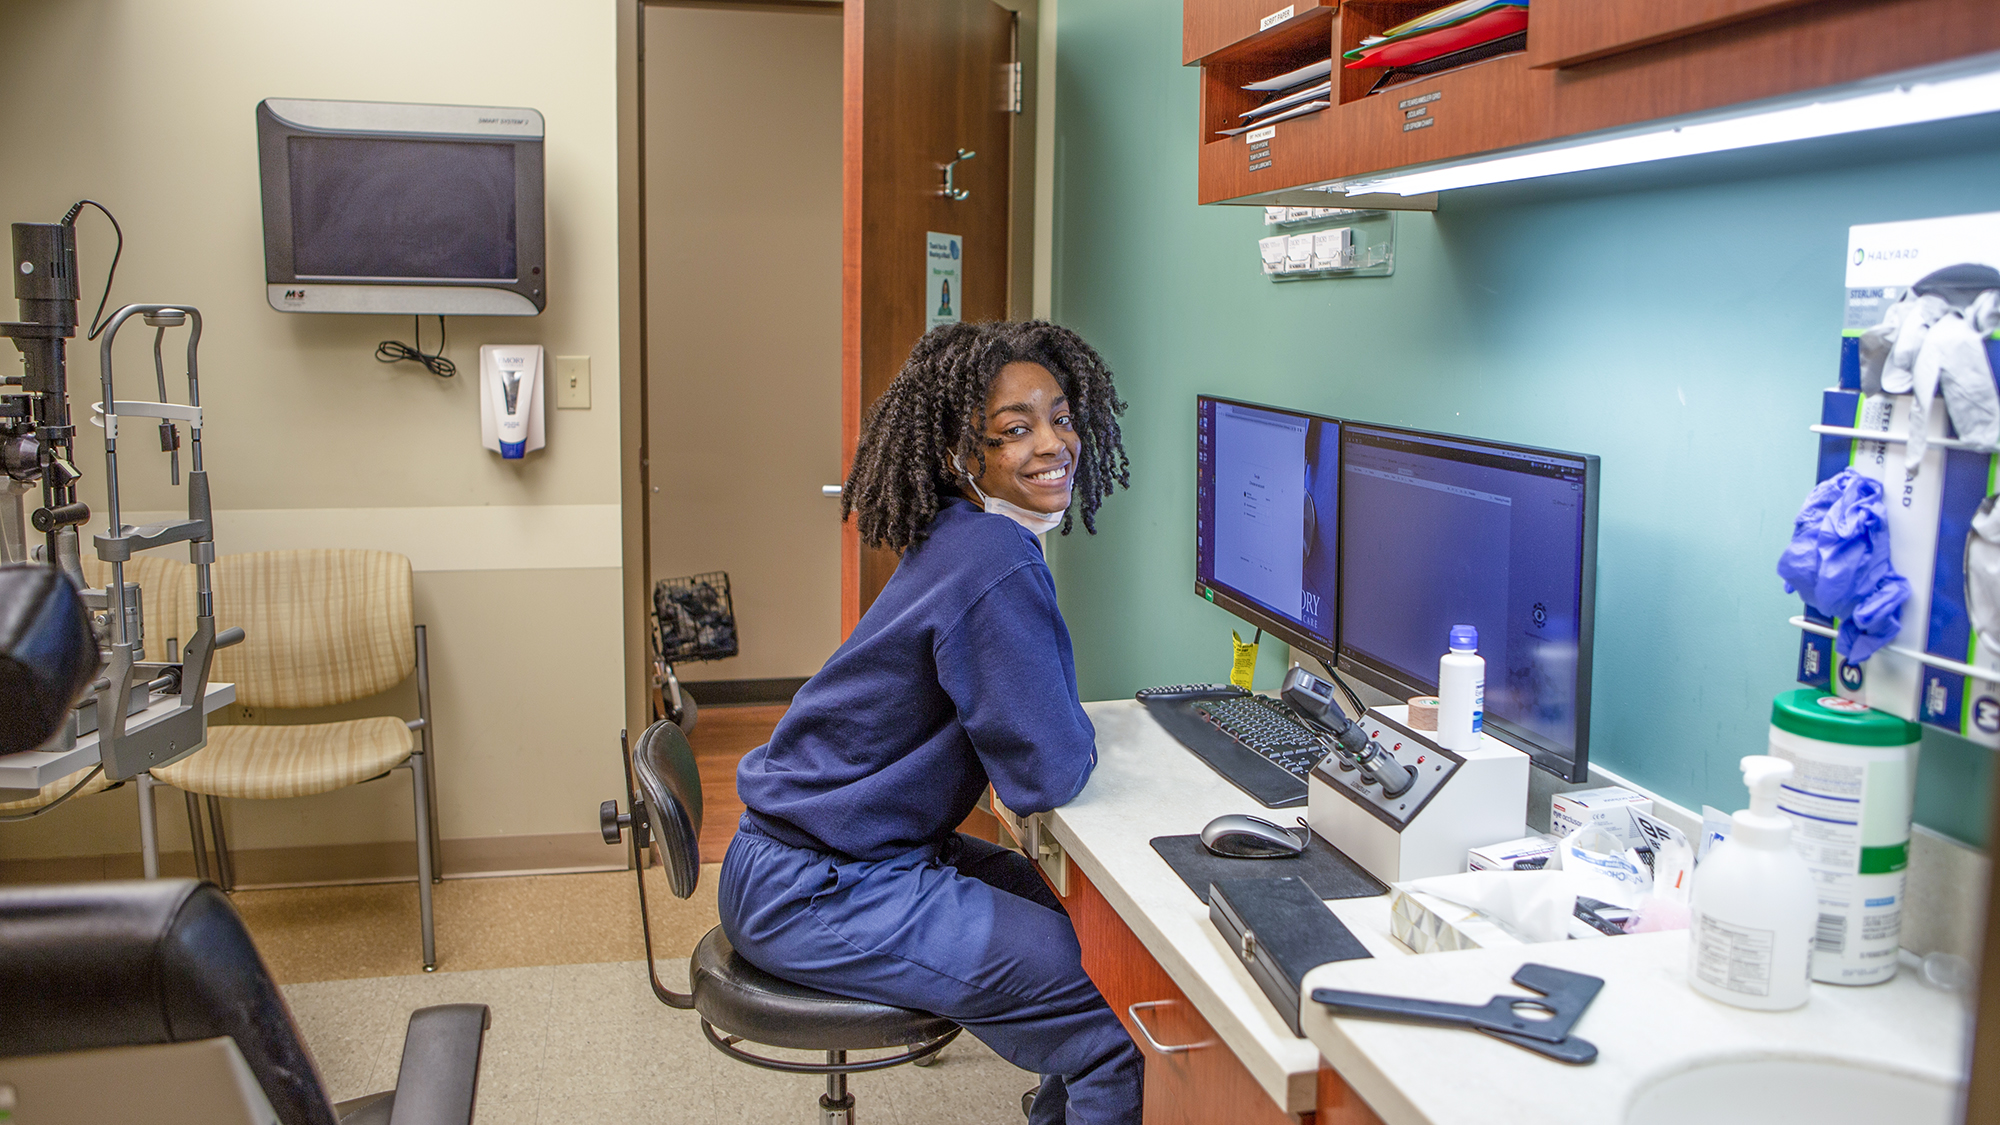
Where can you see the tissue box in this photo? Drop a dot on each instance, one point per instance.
(1502, 857)
(1427, 924)
(1607, 808)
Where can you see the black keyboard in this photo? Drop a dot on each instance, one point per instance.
(1254, 742)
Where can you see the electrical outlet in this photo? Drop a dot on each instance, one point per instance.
(572, 382)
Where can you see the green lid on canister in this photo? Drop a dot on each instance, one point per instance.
(1812, 713)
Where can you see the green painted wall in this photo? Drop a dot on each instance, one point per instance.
(1677, 320)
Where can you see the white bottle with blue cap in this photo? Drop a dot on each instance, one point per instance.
(1461, 691)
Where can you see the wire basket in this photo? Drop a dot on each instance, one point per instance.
(693, 618)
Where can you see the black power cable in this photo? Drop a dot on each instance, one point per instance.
(395, 351)
(73, 791)
(97, 319)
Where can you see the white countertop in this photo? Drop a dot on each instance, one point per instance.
(1646, 1022)
(1647, 1025)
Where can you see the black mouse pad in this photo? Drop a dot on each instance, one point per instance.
(1322, 866)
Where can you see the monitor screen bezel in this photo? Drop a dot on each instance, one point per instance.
(1570, 766)
(1237, 602)
(279, 119)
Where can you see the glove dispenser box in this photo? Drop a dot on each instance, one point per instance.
(1458, 801)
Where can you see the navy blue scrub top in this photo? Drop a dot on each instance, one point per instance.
(958, 674)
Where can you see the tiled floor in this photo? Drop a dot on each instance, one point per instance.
(577, 1034)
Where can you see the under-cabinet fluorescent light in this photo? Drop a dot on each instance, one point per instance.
(1911, 100)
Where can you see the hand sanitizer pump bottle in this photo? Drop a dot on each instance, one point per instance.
(1461, 691)
(1751, 937)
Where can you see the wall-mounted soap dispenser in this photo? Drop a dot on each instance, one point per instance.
(510, 399)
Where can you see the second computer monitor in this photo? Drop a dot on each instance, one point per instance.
(1267, 526)
(1439, 531)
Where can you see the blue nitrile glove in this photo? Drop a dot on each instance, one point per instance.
(1838, 561)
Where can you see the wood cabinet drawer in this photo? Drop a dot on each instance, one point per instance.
(1202, 1084)
(1568, 32)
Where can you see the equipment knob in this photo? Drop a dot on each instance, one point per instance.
(611, 822)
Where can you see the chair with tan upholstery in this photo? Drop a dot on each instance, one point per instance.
(166, 598)
(324, 627)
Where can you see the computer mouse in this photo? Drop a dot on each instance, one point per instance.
(1239, 836)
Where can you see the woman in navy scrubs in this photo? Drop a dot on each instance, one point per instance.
(848, 874)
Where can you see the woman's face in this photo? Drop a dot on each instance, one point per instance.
(1031, 442)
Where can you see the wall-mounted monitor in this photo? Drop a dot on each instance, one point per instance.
(1267, 523)
(376, 207)
(1439, 531)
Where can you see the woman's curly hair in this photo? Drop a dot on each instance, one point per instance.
(936, 407)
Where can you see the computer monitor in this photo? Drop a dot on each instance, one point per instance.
(1267, 528)
(377, 207)
(1439, 531)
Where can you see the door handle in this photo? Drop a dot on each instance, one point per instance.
(950, 192)
(830, 489)
(1133, 1011)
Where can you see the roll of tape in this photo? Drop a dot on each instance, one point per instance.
(1423, 712)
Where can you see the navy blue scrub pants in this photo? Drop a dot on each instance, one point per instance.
(965, 929)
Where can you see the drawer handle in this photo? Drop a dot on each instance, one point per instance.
(1133, 1011)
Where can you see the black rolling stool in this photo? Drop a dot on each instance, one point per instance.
(736, 1000)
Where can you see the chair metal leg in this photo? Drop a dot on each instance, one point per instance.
(430, 755)
(197, 837)
(149, 828)
(836, 1106)
(225, 864)
(421, 795)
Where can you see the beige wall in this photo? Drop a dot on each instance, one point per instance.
(743, 230)
(149, 108)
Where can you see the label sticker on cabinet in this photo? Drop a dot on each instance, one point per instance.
(1275, 18)
(1411, 126)
(1264, 134)
(1420, 99)
(1413, 114)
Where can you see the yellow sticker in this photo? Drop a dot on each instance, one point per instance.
(1245, 664)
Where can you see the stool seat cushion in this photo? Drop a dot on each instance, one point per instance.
(739, 998)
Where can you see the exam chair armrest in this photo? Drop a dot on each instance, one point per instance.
(440, 1072)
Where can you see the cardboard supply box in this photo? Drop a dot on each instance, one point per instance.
(1503, 857)
(1607, 808)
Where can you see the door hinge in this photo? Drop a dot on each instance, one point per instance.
(1012, 73)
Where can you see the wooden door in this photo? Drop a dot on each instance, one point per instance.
(923, 80)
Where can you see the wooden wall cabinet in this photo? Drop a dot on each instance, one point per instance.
(1590, 65)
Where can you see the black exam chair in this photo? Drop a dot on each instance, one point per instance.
(101, 965)
(732, 996)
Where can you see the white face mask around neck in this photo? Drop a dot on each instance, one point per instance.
(1040, 523)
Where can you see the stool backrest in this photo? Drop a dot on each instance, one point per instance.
(670, 785)
(91, 965)
(324, 626)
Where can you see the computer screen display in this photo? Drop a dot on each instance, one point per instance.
(1267, 528)
(370, 207)
(1440, 531)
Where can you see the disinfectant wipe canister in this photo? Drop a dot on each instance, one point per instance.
(1849, 797)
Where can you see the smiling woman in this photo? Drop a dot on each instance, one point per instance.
(846, 874)
(979, 410)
